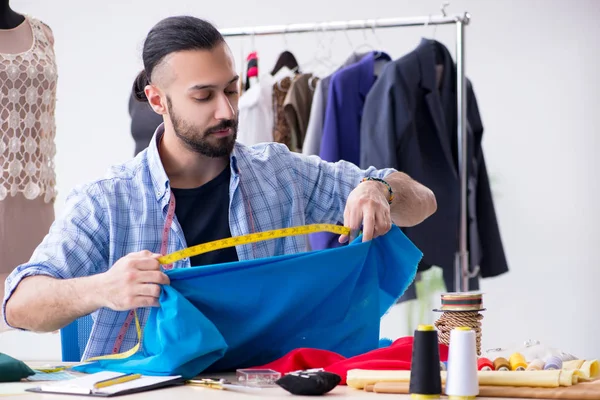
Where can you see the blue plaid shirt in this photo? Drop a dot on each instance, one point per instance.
(125, 212)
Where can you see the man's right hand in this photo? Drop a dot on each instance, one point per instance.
(133, 281)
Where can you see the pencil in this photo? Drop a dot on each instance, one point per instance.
(116, 380)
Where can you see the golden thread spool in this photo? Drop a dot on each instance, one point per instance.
(517, 362)
(501, 364)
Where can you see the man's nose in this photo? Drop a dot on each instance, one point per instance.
(224, 109)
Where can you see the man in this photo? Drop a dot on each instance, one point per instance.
(101, 256)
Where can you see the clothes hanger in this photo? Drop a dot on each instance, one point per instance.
(286, 58)
(322, 55)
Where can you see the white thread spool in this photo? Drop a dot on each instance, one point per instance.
(462, 382)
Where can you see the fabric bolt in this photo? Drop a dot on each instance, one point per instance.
(239, 315)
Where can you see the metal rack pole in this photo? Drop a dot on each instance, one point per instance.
(461, 272)
(342, 25)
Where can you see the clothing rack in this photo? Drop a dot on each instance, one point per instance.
(462, 270)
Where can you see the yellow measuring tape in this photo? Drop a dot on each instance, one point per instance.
(222, 244)
(251, 238)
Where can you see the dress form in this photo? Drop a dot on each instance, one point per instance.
(28, 78)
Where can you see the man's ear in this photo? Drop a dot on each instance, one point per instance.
(155, 99)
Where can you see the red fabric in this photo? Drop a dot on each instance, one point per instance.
(397, 356)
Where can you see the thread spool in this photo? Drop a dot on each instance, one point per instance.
(484, 364)
(536, 365)
(501, 364)
(460, 309)
(443, 366)
(517, 362)
(553, 362)
(462, 382)
(425, 377)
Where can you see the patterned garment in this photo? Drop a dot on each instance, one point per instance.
(27, 102)
(281, 129)
(270, 188)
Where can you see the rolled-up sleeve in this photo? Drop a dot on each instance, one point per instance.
(326, 185)
(77, 244)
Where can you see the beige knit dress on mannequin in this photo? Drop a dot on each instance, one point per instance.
(28, 77)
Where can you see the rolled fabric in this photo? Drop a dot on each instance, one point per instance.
(536, 365)
(358, 379)
(484, 364)
(591, 368)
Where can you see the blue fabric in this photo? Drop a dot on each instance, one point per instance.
(249, 313)
(124, 212)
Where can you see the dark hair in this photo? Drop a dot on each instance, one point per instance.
(171, 35)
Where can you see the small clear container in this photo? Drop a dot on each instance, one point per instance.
(257, 377)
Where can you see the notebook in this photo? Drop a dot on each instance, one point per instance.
(85, 385)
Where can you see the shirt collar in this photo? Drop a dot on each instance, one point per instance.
(366, 67)
(160, 180)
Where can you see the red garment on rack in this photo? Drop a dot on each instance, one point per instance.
(396, 356)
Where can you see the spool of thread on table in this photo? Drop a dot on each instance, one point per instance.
(517, 362)
(501, 364)
(460, 309)
(536, 365)
(553, 362)
(462, 382)
(484, 364)
(425, 377)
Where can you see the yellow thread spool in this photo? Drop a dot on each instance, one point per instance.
(517, 362)
(425, 328)
(501, 364)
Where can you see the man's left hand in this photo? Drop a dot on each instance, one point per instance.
(367, 205)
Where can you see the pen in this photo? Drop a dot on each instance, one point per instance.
(116, 380)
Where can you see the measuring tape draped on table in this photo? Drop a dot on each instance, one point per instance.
(167, 261)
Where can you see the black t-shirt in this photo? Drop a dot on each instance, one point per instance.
(203, 214)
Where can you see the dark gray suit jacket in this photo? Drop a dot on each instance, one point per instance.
(409, 125)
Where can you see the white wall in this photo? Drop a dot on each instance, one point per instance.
(534, 67)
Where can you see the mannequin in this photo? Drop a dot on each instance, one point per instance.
(8, 18)
(28, 79)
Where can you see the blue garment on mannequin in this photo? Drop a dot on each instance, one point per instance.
(246, 314)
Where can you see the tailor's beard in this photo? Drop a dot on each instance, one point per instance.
(203, 142)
